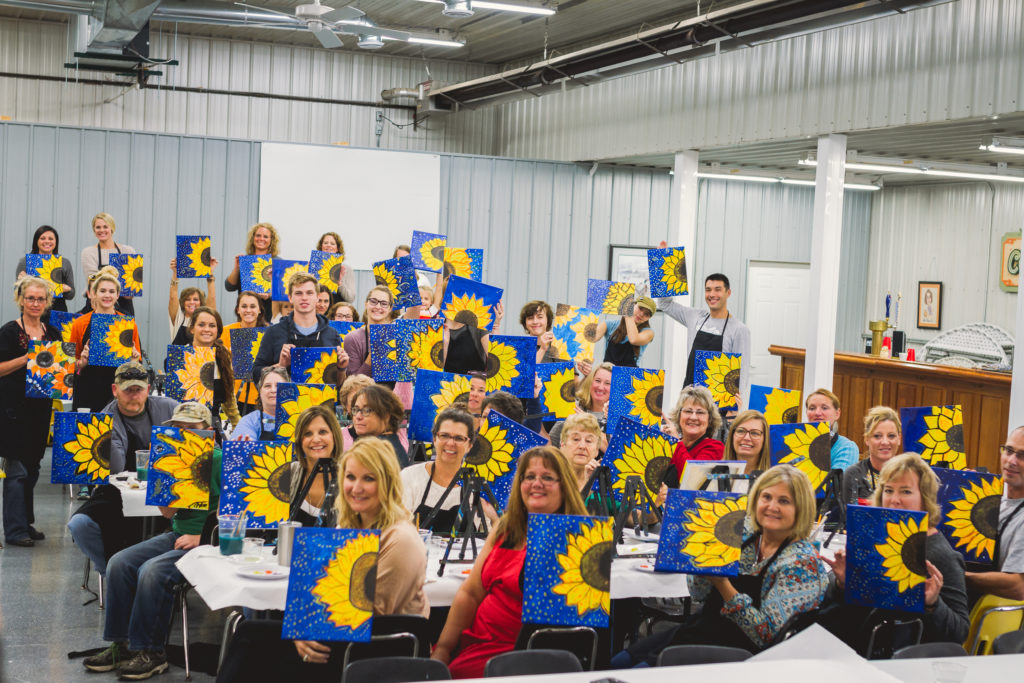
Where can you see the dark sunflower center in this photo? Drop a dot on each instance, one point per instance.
(68, 348)
(449, 269)
(596, 566)
(44, 359)
(729, 528)
(912, 553)
(568, 390)
(466, 318)
(331, 373)
(363, 582)
(653, 400)
(590, 332)
(69, 380)
(791, 415)
(732, 382)
(137, 275)
(492, 366)
(206, 375)
(654, 471)
(279, 483)
(267, 273)
(680, 270)
(985, 516)
(955, 438)
(205, 257)
(820, 452)
(480, 453)
(437, 354)
(626, 306)
(126, 338)
(202, 468)
(101, 450)
(335, 274)
(438, 253)
(379, 279)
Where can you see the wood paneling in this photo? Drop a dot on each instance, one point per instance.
(862, 381)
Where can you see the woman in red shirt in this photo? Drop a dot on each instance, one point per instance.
(697, 416)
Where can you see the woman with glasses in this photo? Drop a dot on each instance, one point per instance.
(424, 483)
(376, 411)
(486, 613)
(25, 421)
(259, 424)
(748, 441)
(45, 241)
(343, 312)
(377, 311)
(697, 417)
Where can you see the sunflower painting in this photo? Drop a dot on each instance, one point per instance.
(327, 267)
(190, 373)
(470, 303)
(937, 433)
(384, 357)
(576, 329)
(183, 469)
(193, 255)
(129, 273)
(47, 267)
(434, 391)
(885, 557)
(464, 263)
(282, 271)
(256, 274)
(564, 345)
(294, 398)
(720, 373)
(331, 585)
(343, 327)
(428, 251)
(245, 344)
(111, 339)
(398, 275)
(61, 321)
(315, 365)
(667, 269)
(567, 575)
(806, 446)
(257, 479)
(970, 511)
(81, 448)
(557, 389)
(636, 450)
(50, 370)
(702, 532)
(511, 364)
(636, 393)
(496, 450)
(610, 298)
(421, 344)
(779, 406)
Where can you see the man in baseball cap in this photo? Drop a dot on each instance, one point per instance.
(191, 415)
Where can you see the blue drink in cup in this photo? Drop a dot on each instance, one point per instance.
(142, 465)
(231, 530)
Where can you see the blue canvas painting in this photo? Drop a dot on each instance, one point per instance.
(46, 267)
(970, 512)
(256, 273)
(576, 332)
(190, 372)
(181, 463)
(470, 303)
(256, 478)
(885, 557)
(667, 270)
(937, 433)
(81, 448)
(343, 327)
(111, 339)
(464, 263)
(193, 255)
(328, 268)
(702, 533)
(806, 446)
(398, 275)
(636, 450)
(420, 345)
(428, 251)
(779, 406)
(511, 364)
(245, 344)
(331, 585)
(568, 570)
(636, 393)
(129, 273)
(293, 399)
(315, 365)
(384, 360)
(434, 391)
(50, 370)
(496, 450)
(610, 298)
(61, 321)
(283, 270)
(557, 389)
(720, 373)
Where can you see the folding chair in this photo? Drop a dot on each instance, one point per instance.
(532, 663)
(684, 655)
(928, 650)
(395, 670)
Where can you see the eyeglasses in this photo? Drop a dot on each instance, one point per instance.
(1006, 450)
(691, 412)
(752, 433)
(378, 303)
(457, 438)
(34, 299)
(365, 412)
(545, 479)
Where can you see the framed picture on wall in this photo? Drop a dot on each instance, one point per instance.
(1009, 276)
(929, 305)
(627, 263)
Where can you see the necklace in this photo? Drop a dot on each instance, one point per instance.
(24, 327)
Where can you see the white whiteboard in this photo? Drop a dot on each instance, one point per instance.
(374, 199)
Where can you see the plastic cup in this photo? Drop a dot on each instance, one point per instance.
(252, 550)
(425, 537)
(142, 465)
(948, 672)
(231, 530)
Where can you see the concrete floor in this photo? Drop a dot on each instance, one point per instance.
(41, 613)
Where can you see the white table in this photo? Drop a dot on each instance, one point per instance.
(989, 669)
(133, 496)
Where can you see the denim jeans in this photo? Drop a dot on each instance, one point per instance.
(140, 592)
(19, 497)
(89, 539)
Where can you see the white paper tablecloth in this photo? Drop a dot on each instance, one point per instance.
(133, 500)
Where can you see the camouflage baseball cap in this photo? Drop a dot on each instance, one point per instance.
(131, 374)
(191, 412)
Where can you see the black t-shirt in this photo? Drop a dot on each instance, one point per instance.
(138, 429)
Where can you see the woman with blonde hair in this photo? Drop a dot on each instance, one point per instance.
(96, 257)
(748, 441)
(823, 406)
(883, 435)
(261, 240)
(181, 307)
(697, 417)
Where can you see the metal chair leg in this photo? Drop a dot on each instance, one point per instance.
(184, 631)
(85, 574)
(99, 585)
(230, 626)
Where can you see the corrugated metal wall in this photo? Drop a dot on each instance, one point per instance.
(943, 233)
(956, 60)
(32, 47)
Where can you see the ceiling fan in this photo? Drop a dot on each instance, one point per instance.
(326, 22)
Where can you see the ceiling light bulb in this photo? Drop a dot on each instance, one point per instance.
(370, 41)
(457, 9)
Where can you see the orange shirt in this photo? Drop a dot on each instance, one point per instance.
(80, 324)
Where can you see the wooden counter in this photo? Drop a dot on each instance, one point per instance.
(862, 381)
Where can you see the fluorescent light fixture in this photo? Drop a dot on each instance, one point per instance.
(795, 181)
(1006, 145)
(435, 41)
(846, 186)
(505, 7)
(924, 168)
(737, 176)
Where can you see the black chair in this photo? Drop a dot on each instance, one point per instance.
(393, 634)
(1011, 643)
(793, 626)
(683, 655)
(581, 641)
(532, 663)
(181, 603)
(926, 650)
(890, 634)
(395, 670)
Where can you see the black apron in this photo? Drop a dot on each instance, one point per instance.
(182, 337)
(465, 351)
(92, 384)
(620, 354)
(265, 433)
(124, 303)
(703, 341)
(444, 521)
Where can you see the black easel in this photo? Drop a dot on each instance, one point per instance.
(833, 502)
(325, 468)
(471, 515)
(603, 499)
(635, 499)
(725, 478)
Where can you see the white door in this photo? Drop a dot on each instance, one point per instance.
(778, 295)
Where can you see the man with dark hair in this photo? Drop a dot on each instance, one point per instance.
(712, 330)
(506, 404)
